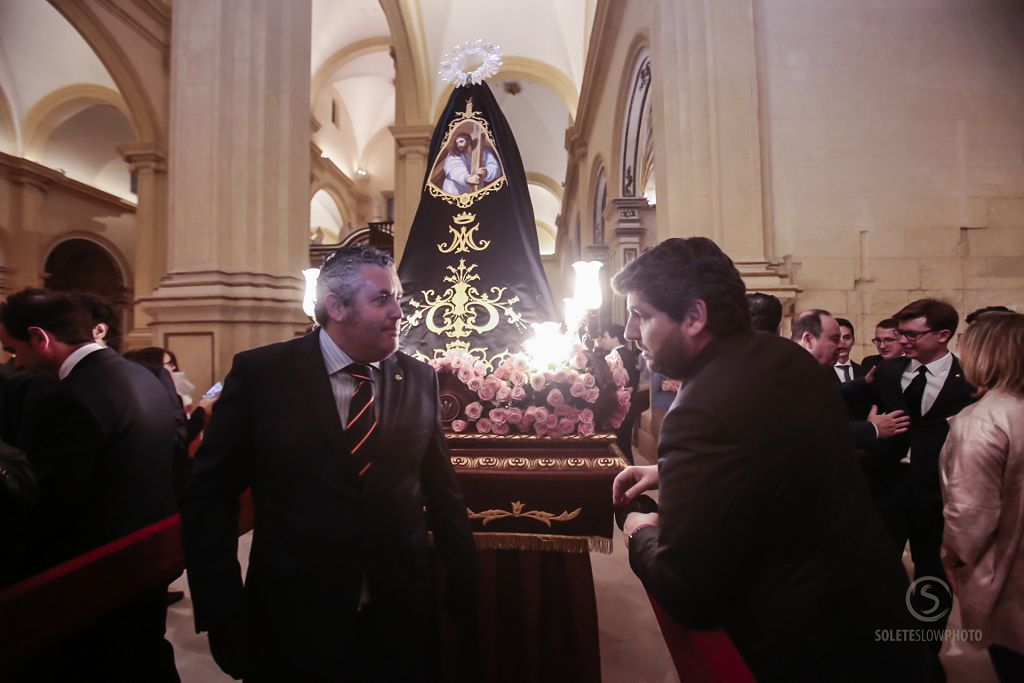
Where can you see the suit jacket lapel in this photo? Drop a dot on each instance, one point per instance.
(896, 386)
(315, 388)
(954, 382)
(391, 390)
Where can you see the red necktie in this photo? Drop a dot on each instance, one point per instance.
(362, 418)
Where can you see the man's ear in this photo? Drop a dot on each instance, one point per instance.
(337, 311)
(807, 340)
(696, 318)
(39, 338)
(99, 331)
(944, 335)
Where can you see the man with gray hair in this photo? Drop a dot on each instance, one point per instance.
(339, 436)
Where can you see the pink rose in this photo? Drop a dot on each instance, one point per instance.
(551, 422)
(555, 397)
(538, 381)
(540, 428)
(613, 360)
(465, 374)
(620, 376)
(501, 429)
(503, 394)
(514, 416)
(541, 414)
(587, 415)
(563, 410)
(474, 410)
(498, 415)
(475, 384)
(518, 393)
(560, 376)
(588, 380)
(586, 428)
(487, 392)
(459, 425)
(578, 389)
(480, 367)
(592, 394)
(622, 396)
(573, 414)
(566, 426)
(483, 425)
(502, 373)
(580, 361)
(518, 378)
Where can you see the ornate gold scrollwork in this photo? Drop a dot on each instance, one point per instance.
(545, 518)
(462, 237)
(461, 306)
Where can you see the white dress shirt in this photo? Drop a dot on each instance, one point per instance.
(76, 356)
(343, 385)
(838, 367)
(938, 371)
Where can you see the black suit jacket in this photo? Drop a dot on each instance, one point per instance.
(868, 362)
(320, 529)
(766, 525)
(102, 447)
(925, 436)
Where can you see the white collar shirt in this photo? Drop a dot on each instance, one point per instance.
(76, 357)
(343, 385)
(938, 371)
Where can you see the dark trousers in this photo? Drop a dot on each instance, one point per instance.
(912, 514)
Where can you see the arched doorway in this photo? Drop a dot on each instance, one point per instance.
(80, 264)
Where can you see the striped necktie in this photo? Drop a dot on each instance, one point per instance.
(362, 418)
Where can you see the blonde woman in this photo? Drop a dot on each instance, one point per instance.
(982, 467)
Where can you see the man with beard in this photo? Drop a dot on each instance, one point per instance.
(461, 175)
(765, 528)
(339, 436)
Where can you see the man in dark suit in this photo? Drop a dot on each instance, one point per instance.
(340, 438)
(846, 370)
(887, 341)
(102, 446)
(929, 385)
(612, 339)
(764, 527)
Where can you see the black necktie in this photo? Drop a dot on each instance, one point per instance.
(362, 418)
(914, 393)
(846, 372)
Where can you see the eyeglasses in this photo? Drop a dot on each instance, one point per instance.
(883, 342)
(912, 336)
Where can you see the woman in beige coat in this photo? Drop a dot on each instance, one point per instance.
(982, 467)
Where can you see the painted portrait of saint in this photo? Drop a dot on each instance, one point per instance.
(467, 166)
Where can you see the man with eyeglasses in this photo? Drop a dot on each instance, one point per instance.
(929, 385)
(887, 341)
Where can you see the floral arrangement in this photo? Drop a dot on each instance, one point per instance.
(584, 396)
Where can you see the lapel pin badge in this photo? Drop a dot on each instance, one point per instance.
(398, 377)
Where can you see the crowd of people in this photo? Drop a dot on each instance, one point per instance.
(756, 470)
(791, 479)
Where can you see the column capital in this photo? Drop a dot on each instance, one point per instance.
(412, 139)
(151, 156)
(30, 180)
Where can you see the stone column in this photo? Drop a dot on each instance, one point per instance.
(412, 143)
(708, 128)
(238, 181)
(26, 241)
(148, 162)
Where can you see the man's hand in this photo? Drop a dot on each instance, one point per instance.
(633, 481)
(889, 424)
(635, 520)
(206, 403)
(229, 645)
(671, 385)
(870, 377)
(473, 179)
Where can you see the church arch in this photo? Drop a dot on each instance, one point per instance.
(60, 105)
(130, 84)
(82, 261)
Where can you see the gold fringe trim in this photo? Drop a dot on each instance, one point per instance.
(561, 544)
